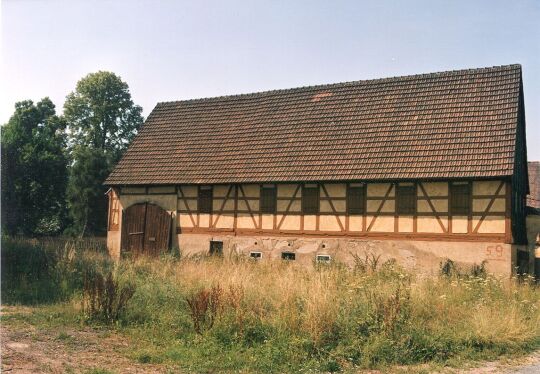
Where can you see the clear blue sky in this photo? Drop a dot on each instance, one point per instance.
(171, 50)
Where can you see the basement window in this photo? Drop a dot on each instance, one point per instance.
(323, 259)
(216, 248)
(288, 256)
(255, 255)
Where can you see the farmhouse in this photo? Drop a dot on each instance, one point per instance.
(533, 214)
(417, 168)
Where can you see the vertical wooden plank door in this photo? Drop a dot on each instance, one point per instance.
(133, 229)
(146, 229)
(157, 230)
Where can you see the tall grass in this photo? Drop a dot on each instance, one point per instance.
(45, 270)
(323, 318)
(235, 314)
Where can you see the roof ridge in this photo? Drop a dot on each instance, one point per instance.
(346, 83)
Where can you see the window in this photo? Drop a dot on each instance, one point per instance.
(356, 198)
(324, 259)
(460, 199)
(114, 211)
(406, 199)
(268, 198)
(310, 199)
(289, 256)
(216, 248)
(205, 199)
(255, 255)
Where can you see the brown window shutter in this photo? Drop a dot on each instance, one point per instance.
(205, 200)
(268, 199)
(310, 199)
(356, 199)
(460, 199)
(406, 199)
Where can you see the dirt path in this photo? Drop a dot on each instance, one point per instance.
(26, 349)
(531, 365)
(524, 365)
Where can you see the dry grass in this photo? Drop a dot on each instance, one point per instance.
(235, 314)
(331, 314)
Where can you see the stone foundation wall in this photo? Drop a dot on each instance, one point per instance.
(422, 256)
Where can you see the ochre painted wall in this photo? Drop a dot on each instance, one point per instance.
(489, 208)
(236, 215)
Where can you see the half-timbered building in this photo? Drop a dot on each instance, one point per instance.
(533, 217)
(417, 168)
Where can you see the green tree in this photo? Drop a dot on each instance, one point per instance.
(34, 170)
(102, 120)
(85, 192)
(101, 114)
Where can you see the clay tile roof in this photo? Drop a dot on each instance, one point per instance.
(533, 198)
(456, 124)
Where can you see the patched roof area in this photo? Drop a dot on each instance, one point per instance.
(457, 124)
(533, 198)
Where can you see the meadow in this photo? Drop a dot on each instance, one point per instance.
(234, 314)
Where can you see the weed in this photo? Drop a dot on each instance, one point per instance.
(104, 298)
(388, 311)
(368, 263)
(449, 268)
(205, 307)
(479, 271)
(148, 358)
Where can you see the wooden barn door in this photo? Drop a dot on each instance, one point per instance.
(133, 223)
(146, 229)
(157, 231)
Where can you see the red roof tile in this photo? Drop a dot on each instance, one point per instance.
(533, 198)
(457, 124)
